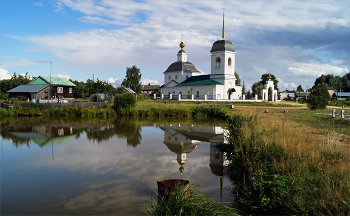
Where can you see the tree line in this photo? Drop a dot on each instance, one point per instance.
(82, 89)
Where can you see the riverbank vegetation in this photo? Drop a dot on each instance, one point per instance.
(279, 166)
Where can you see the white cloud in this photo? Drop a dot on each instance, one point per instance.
(316, 69)
(58, 6)
(34, 49)
(22, 62)
(63, 76)
(39, 4)
(152, 82)
(289, 86)
(4, 74)
(115, 81)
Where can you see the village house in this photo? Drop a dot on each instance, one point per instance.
(44, 88)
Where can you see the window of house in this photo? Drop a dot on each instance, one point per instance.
(217, 62)
(70, 90)
(229, 61)
(197, 94)
(169, 77)
(59, 89)
(175, 76)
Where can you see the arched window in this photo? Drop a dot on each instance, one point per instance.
(217, 62)
(169, 77)
(175, 76)
(229, 62)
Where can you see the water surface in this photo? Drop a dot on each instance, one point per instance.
(104, 167)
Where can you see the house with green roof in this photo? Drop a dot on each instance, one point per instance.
(60, 87)
(182, 78)
(44, 87)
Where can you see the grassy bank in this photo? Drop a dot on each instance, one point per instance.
(284, 166)
(185, 203)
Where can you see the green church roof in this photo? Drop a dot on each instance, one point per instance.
(222, 45)
(198, 80)
(55, 81)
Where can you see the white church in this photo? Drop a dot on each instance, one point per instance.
(183, 80)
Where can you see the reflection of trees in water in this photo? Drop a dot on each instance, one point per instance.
(17, 141)
(124, 128)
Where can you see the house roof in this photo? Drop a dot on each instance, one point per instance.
(29, 88)
(223, 45)
(149, 87)
(55, 81)
(198, 80)
(182, 66)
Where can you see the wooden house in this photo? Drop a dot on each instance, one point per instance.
(45, 88)
(60, 87)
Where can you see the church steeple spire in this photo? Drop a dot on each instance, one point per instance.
(223, 25)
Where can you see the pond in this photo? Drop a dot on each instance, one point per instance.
(104, 167)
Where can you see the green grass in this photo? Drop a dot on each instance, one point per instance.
(280, 169)
(321, 119)
(190, 202)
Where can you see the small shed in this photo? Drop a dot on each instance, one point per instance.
(25, 92)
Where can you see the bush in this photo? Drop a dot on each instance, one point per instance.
(319, 97)
(123, 101)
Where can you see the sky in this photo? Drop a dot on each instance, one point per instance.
(296, 41)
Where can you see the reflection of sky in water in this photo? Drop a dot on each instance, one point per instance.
(85, 177)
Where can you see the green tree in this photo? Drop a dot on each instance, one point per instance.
(99, 86)
(16, 80)
(132, 79)
(300, 89)
(319, 97)
(243, 89)
(346, 83)
(238, 80)
(256, 88)
(249, 95)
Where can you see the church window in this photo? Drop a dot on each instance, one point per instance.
(169, 77)
(197, 94)
(175, 76)
(217, 62)
(229, 61)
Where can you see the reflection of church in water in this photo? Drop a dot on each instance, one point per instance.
(183, 139)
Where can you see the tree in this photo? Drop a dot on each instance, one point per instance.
(258, 86)
(243, 89)
(99, 86)
(132, 79)
(319, 97)
(249, 95)
(346, 83)
(300, 89)
(238, 80)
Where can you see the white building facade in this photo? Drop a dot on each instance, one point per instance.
(182, 78)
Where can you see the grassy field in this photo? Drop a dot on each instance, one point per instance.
(292, 163)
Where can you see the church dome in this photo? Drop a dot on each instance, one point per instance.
(223, 45)
(185, 66)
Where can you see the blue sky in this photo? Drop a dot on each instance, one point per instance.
(296, 40)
